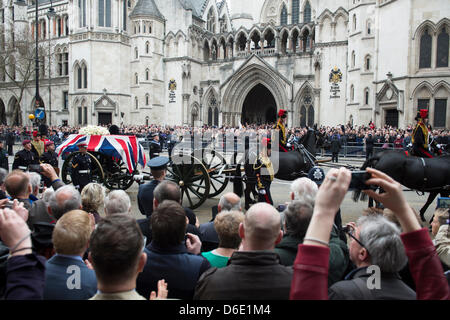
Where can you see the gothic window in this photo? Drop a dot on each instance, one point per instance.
(84, 71)
(80, 115)
(303, 117)
(104, 13)
(147, 47)
(310, 116)
(352, 93)
(124, 14)
(59, 58)
(284, 14)
(216, 116)
(354, 22)
(136, 53)
(442, 49)
(367, 63)
(79, 77)
(147, 99)
(66, 25)
(211, 22)
(210, 116)
(425, 50)
(295, 11)
(369, 28)
(136, 102)
(147, 74)
(81, 13)
(366, 96)
(136, 79)
(440, 112)
(242, 42)
(307, 13)
(423, 104)
(353, 59)
(65, 61)
(85, 114)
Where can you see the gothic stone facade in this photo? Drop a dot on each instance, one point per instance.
(194, 62)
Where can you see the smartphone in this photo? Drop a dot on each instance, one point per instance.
(358, 181)
(34, 168)
(443, 202)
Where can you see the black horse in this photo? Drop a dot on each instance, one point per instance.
(291, 165)
(422, 174)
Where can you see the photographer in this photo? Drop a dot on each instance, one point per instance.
(311, 264)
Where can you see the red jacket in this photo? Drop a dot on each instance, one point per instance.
(311, 269)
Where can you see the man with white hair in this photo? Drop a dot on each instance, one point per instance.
(35, 182)
(375, 241)
(117, 202)
(303, 189)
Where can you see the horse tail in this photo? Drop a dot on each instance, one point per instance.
(238, 184)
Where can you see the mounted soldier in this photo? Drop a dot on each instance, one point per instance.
(281, 127)
(420, 136)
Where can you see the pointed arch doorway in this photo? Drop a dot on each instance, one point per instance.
(259, 106)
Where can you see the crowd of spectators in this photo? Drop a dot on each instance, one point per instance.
(63, 240)
(346, 135)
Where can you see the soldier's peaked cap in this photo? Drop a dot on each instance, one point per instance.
(158, 163)
(82, 144)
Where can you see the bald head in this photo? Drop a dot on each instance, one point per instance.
(229, 202)
(261, 229)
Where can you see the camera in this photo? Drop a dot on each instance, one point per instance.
(8, 204)
(34, 168)
(358, 181)
(443, 203)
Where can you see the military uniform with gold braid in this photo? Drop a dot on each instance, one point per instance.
(264, 173)
(420, 136)
(282, 131)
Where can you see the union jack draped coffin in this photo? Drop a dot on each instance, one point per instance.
(126, 148)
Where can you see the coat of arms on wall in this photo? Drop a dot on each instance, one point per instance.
(335, 78)
(172, 88)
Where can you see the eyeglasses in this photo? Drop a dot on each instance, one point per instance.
(351, 232)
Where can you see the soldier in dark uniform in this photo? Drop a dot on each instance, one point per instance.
(50, 157)
(3, 158)
(420, 136)
(264, 172)
(158, 167)
(81, 167)
(281, 127)
(154, 147)
(24, 157)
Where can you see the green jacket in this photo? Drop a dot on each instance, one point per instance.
(339, 255)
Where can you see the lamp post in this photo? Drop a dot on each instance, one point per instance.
(39, 103)
(50, 14)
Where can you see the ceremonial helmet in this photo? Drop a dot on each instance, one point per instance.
(421, 114)
(282, 113)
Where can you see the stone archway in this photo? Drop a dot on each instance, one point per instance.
(15, 112)
(236, 89)
(259, 106)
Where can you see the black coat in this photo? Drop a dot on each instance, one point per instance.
(23, 159)
(335, 145)
(355, 288)
(248, 275)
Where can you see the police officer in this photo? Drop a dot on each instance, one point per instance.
(264, 172)
(281, 127)
(24, 157)
(50, 157)
(81, 167)
(154, 147)
(158, 168)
